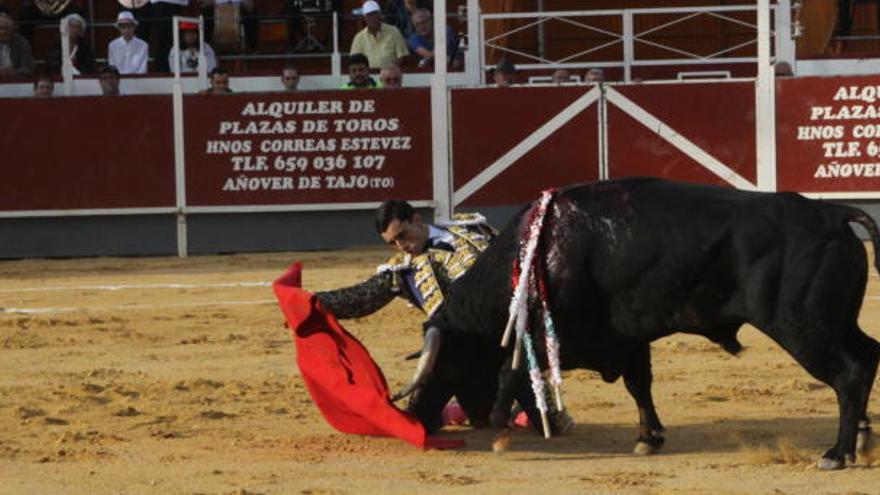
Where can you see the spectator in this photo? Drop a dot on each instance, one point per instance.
(128, 53)
(359, 73)
(381, 43)
(422, 41)
(391, 77)
(44, 86)
(594, 75)
(782, 69)
(189, 55)
(82, 56)
(399, 14)
(290, 78)
(109, 79)
(16, 59)
(219, 78)
(160, 13)
(505, 73)
(561, 76)
(32, 15)
(247, 14)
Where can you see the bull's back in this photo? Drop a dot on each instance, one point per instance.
(664, 256)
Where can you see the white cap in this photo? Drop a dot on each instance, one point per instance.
(126, 17)
(369, 7)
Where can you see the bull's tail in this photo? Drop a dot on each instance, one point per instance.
(856, 215)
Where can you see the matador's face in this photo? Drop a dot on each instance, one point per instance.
(409, 236)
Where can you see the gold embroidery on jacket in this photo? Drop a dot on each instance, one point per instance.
(433, 271)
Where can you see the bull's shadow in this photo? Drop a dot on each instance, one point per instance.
(589, 440)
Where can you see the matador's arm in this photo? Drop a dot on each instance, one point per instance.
(361, 299)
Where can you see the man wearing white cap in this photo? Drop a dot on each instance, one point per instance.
(128, 53)
(381, 43)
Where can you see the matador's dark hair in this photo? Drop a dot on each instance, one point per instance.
(393, 209)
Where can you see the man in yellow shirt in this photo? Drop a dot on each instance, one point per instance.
(381, 43)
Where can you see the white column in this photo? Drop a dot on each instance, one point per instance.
(473, 58)
(179, 160)
(66, 64)
(442, 169)
(765, 104)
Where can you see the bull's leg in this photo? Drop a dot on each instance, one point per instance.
(872, 351)
(509, 383)
(638, 378)
(428, 402)
(848, 365)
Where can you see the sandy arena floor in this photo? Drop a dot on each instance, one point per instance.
(164, 375)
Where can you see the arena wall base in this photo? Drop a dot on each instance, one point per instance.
(147, 235)
(154, 235)
(301, 231)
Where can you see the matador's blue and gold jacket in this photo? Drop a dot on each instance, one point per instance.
(421, 279)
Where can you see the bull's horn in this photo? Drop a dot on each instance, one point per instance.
(426, 363)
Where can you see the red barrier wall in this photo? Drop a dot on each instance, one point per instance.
(84, 153)
(828, 134)
(719, 118)
(488, 122)
(316, 147)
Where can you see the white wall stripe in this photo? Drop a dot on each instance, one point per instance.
(526, 145)
(136, 286)
(130, 307)
(677, 140)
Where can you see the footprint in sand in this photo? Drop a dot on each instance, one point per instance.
(127, 412)
(214, 414)
(29, 412)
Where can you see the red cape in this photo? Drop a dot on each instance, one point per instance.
(343, 380)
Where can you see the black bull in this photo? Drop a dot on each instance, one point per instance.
(634, 260)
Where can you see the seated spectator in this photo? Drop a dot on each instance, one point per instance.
(594, 75)
(505, 73)
(44, 87)
(16, 59)
(782, 69)
(399, 14)
(189, 54)
(128, 53)
(290, 78)
(157, 18)
(219, 78)
(391, 77)
(246, 11)
(359, 73)
(561, 76)
(381, 43)
(82, 57)
(33, 14)
(422, 41)
(109, 79)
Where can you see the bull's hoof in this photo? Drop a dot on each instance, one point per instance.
(863, 439)
(829, 464)
(645, 448)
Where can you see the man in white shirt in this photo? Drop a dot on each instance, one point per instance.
(381, 43)
(128, 53)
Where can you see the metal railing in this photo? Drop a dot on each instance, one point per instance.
(629, 37)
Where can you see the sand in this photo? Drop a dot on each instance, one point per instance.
(166, 375)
